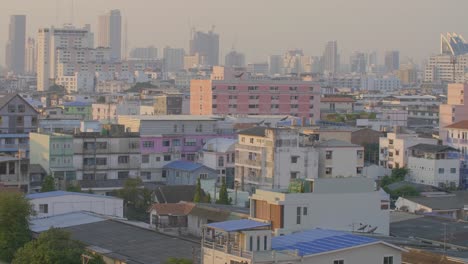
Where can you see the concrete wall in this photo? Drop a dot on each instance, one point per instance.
(426, 171)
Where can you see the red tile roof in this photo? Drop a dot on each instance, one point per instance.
(176, 209)
(336, 99)
(460, 125)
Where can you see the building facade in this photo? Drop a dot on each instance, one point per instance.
(16, 44)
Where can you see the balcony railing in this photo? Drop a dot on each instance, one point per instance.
(231, 249)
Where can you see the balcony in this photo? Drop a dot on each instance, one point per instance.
(232, 249)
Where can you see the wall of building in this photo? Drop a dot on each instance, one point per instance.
(426, 171)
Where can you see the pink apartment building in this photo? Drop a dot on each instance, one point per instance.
(255, 97)
(455, 110)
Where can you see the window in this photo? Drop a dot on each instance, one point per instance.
(220, 161)
(167, 157)
(397, 152)
(258, 243)
(252, 88)
(166, 143)
(252, 156)
(123, 175)
(298, 217)
(441, 170)
(453, 170)
(148, 144)
(388, 260)
(158, 158)
(294, 159)
(144, 158)
(164, 173)
(339, 261)
(292, 88)
(251, 140)
(101, 161)
(21, 108)
(358, 170)
(11, 108)
(360, 154)
(123, 159)
(146, 175)
(329, 154)
(294, 174)
(44, 208)
(265, 242)
(274, 88)
(190, 142)
(328, 171)
(304, 210)
(176, 142)
(251, 243)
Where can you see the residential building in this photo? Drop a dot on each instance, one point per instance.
(408, 76)
(457, 137)
(10, 174)
(272, 157)
(234, 59)
(166, 138)
(338, 159)
(295, 63)
(173, 59)
(263, 97)
(111, 87)
(453, 44)
(148, 53)
(54, 152)
(108, 112)
(434, 165)
(336, 104)
(170, 216)
(59, 202)
(110, 33)
(394, 148)
(248, 241)
(330, 58)
(205, 44)
(219, 154)
(455, 109)
(106, 155)
(182, 172)
(392, 60)
(31, 57)
(194, 61)
(445, 68)
(18, 119)
(15, 47)
(83, 110)
(448, 205)
(168, 104)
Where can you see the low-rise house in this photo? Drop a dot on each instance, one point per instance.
(170, 216)
(249, 241)
(60, 202)
(434, 165)
(336, 104)
(452, 205)
(339, 158)
(456, 136)
(187, 173)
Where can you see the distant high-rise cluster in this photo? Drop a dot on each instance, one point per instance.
(358, 62)
(330, 57)
(205, 44)
(15, 48)
(234, 59)
(148, 53)
(110, 33)
(392, 60)
(31, 56)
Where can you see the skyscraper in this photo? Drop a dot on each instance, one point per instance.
(234, 59)
(330, 57)
(205, 44)
(148, 53)
(392, 60)
(110, 33)
(173, 59)
(275, 64)
(15, 47)
(30, 56)
(358, 62)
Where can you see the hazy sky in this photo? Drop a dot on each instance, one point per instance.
(262, 27)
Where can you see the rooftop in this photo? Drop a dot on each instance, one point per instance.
(220, 145)
(318, 241)
(337, 99)
(456, 200)
(432, 148)
(175, 209)
(63, 193)
(183, 165)
(64, 220)
(77, 104)
(172, 117)
(237, 225)
(460, 125)
(336, 143)
(258, 131)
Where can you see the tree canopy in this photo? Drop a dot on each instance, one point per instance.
(178, 261)
(223, 194)
(136, 198)
(48, 184)
(51, 247)
(15, 210)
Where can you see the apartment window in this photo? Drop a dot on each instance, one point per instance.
(158, 158)
(294, 106)
(251, 140)
(258, 243)
(166, 143)
(167, 157)
(148, 144)
(123, 175)
(44, 208)
(359, 170)
(304, 210)
(253, 106)
(214, 106)
(101, 161)
(360, 154)
(388, 260)
(311, 89)
(292, 88)
(232, 88)
(34, 121)
(328, 171)
(20, 120)
(294, 175)
(11, 108)
(164, 173)
(251, 243)
(275, 97)
(265, 242)
(339, 261)
(203, 176)
(220, 161)
(176, 142)
(397, 152)
(453, 170)
(254, 97)
(390, 141)
(252, 88)
(274, 88)
(190, 142)
(298, 216)
(123, 159)
(146, 175)
(252, 156)
(329, 154)
(311, 97)
(21, 108)
(243, 139)
(441, 170)
(294, 159)
(144, 158)
(274, 106)
(175, 128)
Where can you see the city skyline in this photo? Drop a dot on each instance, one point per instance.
(269, 33)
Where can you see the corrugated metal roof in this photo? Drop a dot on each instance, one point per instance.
(76, 103)
(64, 220)
(183, 165)
(319, 241)
(236, 225)
(63, 193)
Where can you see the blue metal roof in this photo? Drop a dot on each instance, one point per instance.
(76, 103)
(319, 241)
(183, 165)
(236, 225)
(62, 193)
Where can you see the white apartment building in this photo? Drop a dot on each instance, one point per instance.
(111, 87)
(109, 112)
(345, 204)
(441, 68)
(394, 148)
(338, 159)
(219, 154)
(272, 157)
(434, 165)
(457, 137)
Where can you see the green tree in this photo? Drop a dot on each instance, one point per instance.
(15, 210)
(207, 198)
(136, 198)
(178, 261)
(223, 193)
(51, 247)
(73, 188)
(405, 191)
(198, 192)
(48, 184)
